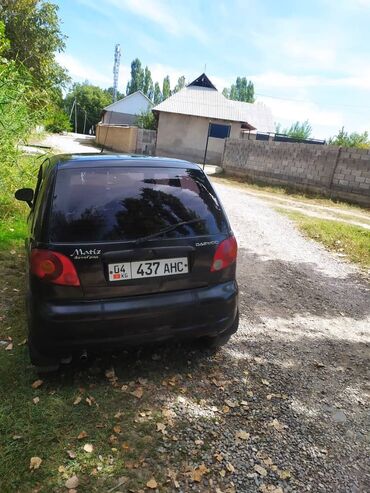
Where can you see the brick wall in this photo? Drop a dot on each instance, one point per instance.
(340, 173)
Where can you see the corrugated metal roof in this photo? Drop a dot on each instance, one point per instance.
(209, 103)
(112, 106)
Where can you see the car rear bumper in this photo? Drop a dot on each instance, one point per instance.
(106, 324)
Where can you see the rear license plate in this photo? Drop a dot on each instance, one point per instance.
(150, 268)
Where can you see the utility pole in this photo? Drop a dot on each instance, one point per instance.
(85, 121)
(73, 105)
(75, 115)
(117, 59)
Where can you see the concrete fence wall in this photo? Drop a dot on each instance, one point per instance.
(337, 172)
(130, 140)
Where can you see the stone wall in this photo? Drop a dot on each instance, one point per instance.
(337, 172)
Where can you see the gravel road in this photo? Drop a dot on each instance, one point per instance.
(282, 407)
(305, 328)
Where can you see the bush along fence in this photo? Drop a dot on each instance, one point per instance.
(342, 173)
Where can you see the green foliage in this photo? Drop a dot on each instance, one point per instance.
(17, 117)
(110, 91)
(166, 88)
(57, 121)
(136, 82)
(157, 97)
(141, 80)
(146, 120)
(297, 130)
(33, 30)
(90, 99)
(180, 84)
(148, 88)
(354, 139)
(242, 90)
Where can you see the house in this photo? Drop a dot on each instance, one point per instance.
(126, 110)
(184, 122)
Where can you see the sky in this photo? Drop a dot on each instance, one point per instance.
(307, 60)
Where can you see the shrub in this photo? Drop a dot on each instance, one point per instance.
(57, 121)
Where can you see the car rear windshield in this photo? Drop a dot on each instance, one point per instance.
(124, 204)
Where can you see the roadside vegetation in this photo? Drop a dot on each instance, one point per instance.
(347, 240)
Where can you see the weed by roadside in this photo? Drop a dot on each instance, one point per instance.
(346, 239)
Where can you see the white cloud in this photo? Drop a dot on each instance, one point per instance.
(324, 122)
(302, 110)
(80, 71)
(160, 13)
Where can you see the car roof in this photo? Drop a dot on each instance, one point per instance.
(65, 161)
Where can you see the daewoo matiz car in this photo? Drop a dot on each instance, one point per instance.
(125, 250)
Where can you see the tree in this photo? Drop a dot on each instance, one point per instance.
(18, 115)
(180, 84)
(110, 91)
(148, 88)
(297, 130)
(353, 139)
(90, 100)
(146, 120)
(136, 82)
(157, 97)
(33, 29)
(166, 88)
(242, 90)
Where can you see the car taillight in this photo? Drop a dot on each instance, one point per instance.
(53, 267)
(225, 254)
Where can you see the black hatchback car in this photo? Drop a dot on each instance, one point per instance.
(126, 250)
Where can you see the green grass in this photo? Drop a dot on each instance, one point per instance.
(353, 241)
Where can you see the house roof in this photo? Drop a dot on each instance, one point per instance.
(130, 96)
(202, 81)
(207, 102)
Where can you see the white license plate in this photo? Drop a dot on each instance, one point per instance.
(149, 268)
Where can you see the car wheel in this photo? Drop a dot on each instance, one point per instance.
(215, 343)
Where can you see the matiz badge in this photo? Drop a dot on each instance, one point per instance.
(80, 254)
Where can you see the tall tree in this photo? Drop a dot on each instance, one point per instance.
(157, 97)
(180, 84)
(166, 88)
(148, 88)
(242, 90)
(33, 29)
(90, 99)
(297, 130)
(136, 82)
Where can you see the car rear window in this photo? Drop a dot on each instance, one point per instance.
(123, 204)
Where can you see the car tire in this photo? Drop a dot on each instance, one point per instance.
(215, 343)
